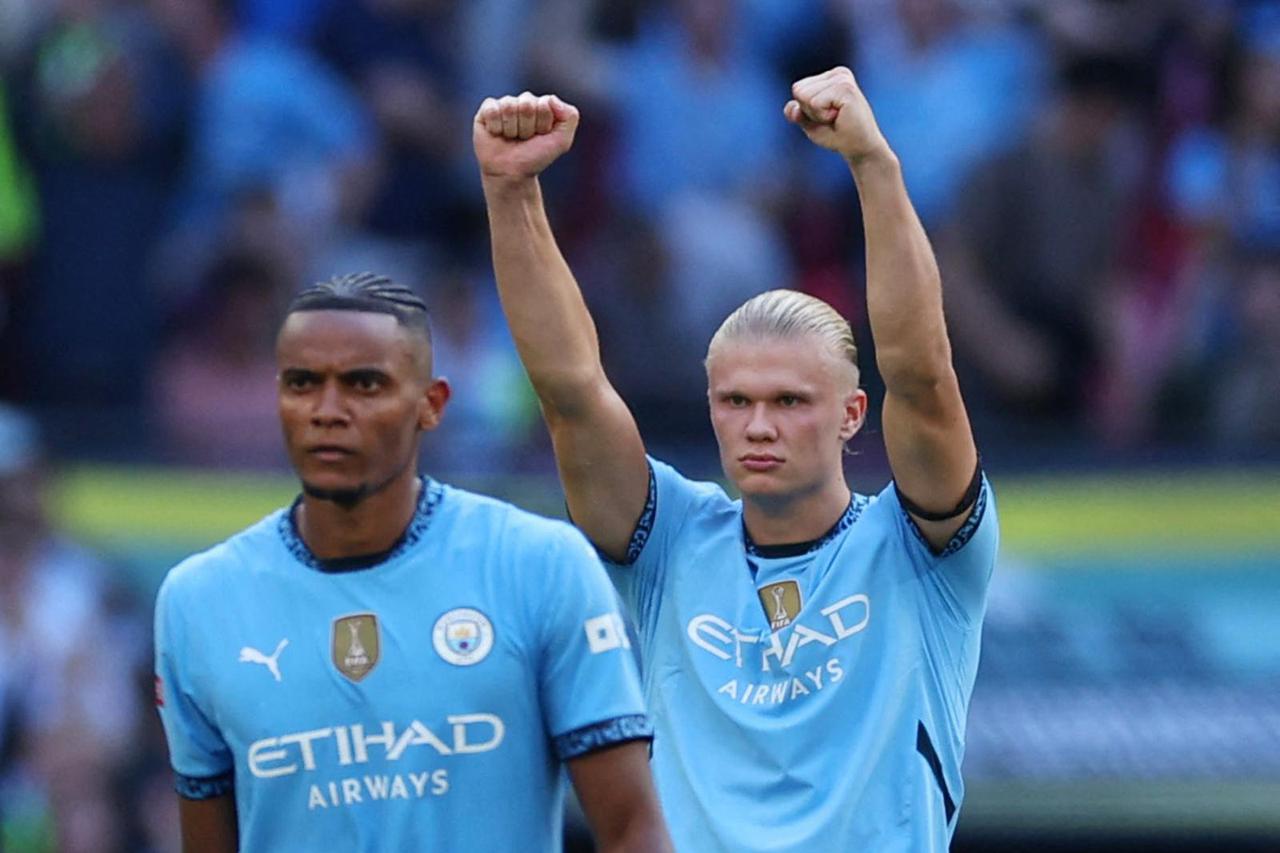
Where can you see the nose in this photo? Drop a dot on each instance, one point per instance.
(759, 427)
(329, 409)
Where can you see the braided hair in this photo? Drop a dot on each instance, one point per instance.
(365, 291)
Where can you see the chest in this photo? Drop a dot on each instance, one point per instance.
(355, 665)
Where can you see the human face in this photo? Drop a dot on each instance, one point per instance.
(782, 410)
(355, 393)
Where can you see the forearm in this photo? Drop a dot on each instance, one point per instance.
(549, 321)
(904, 293)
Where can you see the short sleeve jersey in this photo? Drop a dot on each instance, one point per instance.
(808, 698)
(424, 702)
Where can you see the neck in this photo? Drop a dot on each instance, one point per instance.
(333, 531)
(784, 520)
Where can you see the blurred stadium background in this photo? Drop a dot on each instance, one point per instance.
(1101, 179)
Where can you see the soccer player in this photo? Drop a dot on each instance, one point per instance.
(391, 663)
(808, 652)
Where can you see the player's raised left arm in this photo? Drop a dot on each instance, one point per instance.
(926, 428)
(616, 790)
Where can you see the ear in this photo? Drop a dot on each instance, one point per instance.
(855, 414)
(431, 405)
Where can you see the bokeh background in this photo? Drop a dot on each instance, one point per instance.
(1100, 178)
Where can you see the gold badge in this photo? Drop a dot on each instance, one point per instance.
(355, 645)
(781, 602)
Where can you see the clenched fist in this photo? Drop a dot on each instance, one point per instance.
(518, 137)
(834, 113)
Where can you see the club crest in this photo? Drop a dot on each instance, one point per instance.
(355, 645)
(781, 602)
(463, 636)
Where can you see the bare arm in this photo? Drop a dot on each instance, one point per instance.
(208, 826)
(616, 790)
(597, 444)
(926, 428)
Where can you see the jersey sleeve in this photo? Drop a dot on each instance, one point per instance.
(200, 758)
(588, 682)
(960, 572)
(642, 574)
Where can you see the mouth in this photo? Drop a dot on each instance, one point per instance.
(760, 462)
(330, 452)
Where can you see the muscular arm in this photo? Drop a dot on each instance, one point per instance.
(926, 428)
(597, 445)
(208, 826)
(617, 795)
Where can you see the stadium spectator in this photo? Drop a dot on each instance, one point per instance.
(69, 705)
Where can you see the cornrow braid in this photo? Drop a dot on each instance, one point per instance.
(365, 291)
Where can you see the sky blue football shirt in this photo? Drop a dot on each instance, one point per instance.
(813, 700)
(424, 702)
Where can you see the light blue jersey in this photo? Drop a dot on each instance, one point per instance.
(420, 700)
(810, 701)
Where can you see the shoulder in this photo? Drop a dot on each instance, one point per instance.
(519, 529)
(702, 496)
(210, 572)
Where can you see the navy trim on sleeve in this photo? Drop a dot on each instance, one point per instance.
(969, 499)
(597, 736)
(203, 787)
(961, 536)
(644, 524)
(924, 746)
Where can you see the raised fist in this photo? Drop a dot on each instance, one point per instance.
(518, 137)
(833, 113)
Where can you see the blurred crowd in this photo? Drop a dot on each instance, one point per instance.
(1101, 180)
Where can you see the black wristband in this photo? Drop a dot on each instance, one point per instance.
(966, 503)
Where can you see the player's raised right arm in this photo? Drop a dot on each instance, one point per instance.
(597, 444)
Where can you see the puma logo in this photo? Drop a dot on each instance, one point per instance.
(248, 654)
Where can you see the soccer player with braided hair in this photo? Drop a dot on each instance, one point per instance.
(808, 652)
(392, 663)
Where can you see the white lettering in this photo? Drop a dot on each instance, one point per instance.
(377, 786)
(761, 692)
(398, 790)
(835, 670)
(460, 723)
(333, 793)
(440, 782)
(779, 693)
(303, 740)
(746, 693)
(714, 627)
(416, 735)
(419, 781)
(344, 745)
(351, 791)
(833, 614)
(816, 677)
(315, 799)
(361, 741)
(798, 688)
(730, 688)
(261, 751)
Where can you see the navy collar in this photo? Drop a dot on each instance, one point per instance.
(428, 499)
(796, 549)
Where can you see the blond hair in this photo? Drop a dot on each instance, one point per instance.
(789, 314)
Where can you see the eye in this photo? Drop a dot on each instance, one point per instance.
(736, 400)
(366, 383)
(298, 382)
(788, 401)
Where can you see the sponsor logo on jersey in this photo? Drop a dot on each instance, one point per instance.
(249, 654)
(463, 636)
(841, 620)
(344, 746)
(781, 602)
(355, 645)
